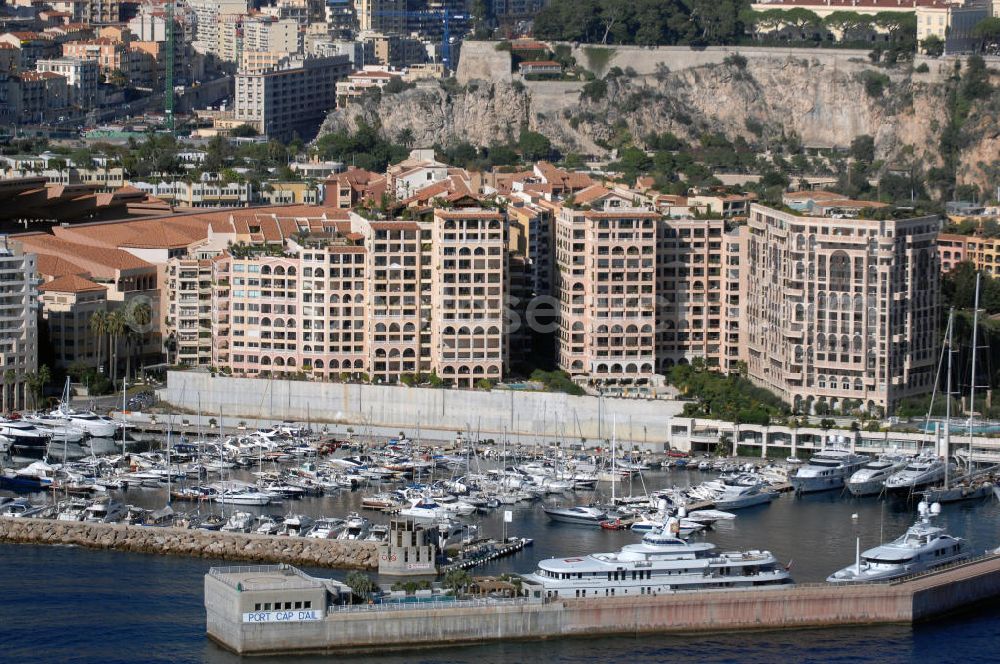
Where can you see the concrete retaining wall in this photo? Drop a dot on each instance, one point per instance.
(644, 60)
(197, 543)
(548, 414)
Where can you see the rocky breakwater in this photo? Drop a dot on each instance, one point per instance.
(197, 543)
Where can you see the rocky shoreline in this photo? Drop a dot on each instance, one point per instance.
(196, 543)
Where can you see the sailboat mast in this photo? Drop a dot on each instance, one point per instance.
(124, 421)
(614, 441)
(946, 452)
(972, 381)
(170, 423)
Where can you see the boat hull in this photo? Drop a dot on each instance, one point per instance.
(866, 488)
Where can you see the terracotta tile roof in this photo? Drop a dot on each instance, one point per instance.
(54, 266)
(590, 194)
(71, 283)
(97, 257)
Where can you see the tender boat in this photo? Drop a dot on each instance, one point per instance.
(870, 480)
(661, 563)
(578, 514)
(922, 547)
(827, 469)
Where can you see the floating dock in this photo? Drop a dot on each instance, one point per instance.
(241, 614)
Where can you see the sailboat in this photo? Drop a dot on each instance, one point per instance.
(968, 487)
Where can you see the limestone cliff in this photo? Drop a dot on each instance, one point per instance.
(821, 96)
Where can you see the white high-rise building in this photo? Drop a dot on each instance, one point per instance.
(18, 323)
(207, 13)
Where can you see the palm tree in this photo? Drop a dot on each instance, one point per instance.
(9, 383)
(117, 324)
(36, 384)
(140, 316)
(99, 326)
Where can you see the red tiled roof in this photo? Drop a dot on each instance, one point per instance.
(71, 283)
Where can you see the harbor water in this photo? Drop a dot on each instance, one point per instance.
(79, 605)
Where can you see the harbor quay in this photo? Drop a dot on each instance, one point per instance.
(343, 554)
(279, 609)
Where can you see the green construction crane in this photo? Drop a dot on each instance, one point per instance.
(168, 93)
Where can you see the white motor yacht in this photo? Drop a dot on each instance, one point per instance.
(736, 496)
(424, 508)
(827, 469)
(104, 510)
(578, 514)
(921, 471)
(25, 437)
(326, 528)
(239, 522)
(296, 525)
(922, 547)
(870, 480)
(661, 563)
(355, 528)
(90, 423)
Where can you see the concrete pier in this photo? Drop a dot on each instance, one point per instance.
(372, 628)
(193, 542)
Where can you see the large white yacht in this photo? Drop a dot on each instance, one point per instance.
(661, 563)
(736, 496)
(870, 480)
(88, 422)
(921, 471)
(589, 516)
(923, 546)
(25, 437)
(424, 508)
(827, 469)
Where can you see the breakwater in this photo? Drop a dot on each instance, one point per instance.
(193, 542)
(232, 622)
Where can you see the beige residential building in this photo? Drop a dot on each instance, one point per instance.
(207, 13)
(348, 297)
(607, 288)
(381, 15)
(294, 97)
(266, 33)
(697, 266)
(468, 293)
(398, 284)
(67, 304)
(840, 311)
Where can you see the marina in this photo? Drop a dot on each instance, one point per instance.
(290, 498)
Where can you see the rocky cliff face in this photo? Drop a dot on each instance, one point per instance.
(823, 101)
(480, 114)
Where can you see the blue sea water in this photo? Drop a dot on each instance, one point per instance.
(64, 604)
